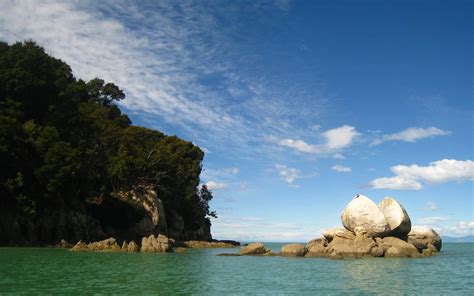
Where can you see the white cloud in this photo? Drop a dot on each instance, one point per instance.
(441, 171)
(411, 134)
(334, 140)
(340, 137)
(462, 228)
(341, 169)
(432, 220)
(287, 174)
(395, 183)
(338, 156)
(248, 229)
(211, 185)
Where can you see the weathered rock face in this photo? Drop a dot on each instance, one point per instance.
(293, 250)
(395, 247)
(254, 249)
(155, 220)
(156, 244)
(397, 217)
(357, 247)
(130, 247)
(421, 237)
(363, 213)
(316, 247)
(109, 244)
(329, 234)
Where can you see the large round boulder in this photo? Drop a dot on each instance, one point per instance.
(397, 217)
(316, 247)
(293, 250)
(421, 237)
(363, 213)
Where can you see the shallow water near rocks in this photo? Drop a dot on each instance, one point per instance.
(199, 271)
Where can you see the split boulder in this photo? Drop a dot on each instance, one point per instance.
(397, 217)
(363, 213)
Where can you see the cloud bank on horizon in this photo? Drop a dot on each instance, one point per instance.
(283, 113)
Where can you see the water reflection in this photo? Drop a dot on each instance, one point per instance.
(375, 275)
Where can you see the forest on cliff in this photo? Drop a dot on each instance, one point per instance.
(66, 148)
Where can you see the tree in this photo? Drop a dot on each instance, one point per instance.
(205, 196)
(102, 93)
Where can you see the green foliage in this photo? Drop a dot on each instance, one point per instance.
(63, 140)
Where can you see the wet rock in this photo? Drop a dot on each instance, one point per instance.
(377, 252)
(133, 247)
(421, 237)
(109, 244)
(158, 244)
(350, 248)
(395, 247)
(124, 246)
(316, 247)
(80, 246)
(293, 250)
(397, 217)
(206, 244)
(364, 213)
(330, 233)
(254, 249)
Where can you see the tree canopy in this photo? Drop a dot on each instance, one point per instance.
(64, 140)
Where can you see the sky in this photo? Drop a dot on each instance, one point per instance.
(298, 105)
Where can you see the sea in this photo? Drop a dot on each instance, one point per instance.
(45, 271)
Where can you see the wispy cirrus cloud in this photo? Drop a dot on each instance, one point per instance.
(411, 135)
(441, 171)
(432, 220)
(175, 60)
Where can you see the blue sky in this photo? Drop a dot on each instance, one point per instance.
(299, 105)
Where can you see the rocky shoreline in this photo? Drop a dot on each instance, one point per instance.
(370, 230)
(150, 244)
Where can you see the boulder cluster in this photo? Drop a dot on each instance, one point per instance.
(149, 244)
(152, 243)
(370, 230)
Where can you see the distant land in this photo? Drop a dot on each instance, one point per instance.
(462, 239)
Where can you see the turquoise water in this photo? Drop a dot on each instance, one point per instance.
(199, 271)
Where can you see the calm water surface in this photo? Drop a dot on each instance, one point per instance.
(199, 271)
